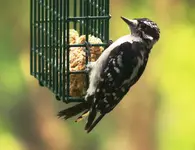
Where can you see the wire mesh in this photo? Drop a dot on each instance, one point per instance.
(50, 22)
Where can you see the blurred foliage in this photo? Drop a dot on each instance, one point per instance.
(165, 92)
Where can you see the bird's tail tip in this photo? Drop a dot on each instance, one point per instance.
(73, 111)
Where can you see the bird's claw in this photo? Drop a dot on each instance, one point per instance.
(109, 43)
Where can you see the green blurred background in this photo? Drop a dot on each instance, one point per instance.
(158, 112)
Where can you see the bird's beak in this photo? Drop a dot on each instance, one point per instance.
(131, 23)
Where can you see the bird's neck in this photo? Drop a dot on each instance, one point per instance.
(148, 43)
(135, 38)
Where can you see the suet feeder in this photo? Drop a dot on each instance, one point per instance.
(61, 32)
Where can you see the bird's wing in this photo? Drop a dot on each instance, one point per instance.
(115, 80)
(117, 75)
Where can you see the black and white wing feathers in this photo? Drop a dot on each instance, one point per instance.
(123, 68)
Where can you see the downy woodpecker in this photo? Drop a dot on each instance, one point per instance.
(118, 68)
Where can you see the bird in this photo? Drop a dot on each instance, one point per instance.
(118, 68)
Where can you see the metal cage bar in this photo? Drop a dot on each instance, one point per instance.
(50, 21)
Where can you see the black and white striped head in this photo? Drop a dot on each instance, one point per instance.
(144, 28)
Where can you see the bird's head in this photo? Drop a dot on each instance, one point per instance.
(144, 28)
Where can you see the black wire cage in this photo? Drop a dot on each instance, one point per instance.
(50, 23)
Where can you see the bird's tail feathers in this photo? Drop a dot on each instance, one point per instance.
(74, 110)
(95, 123)
(91, 118)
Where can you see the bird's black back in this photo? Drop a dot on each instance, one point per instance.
(112, 88)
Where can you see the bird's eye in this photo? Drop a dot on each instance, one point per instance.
(143, 26)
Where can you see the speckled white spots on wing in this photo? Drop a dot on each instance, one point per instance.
(113, 94)
(119, 60)
(105, 100)
(107, 105)
(109, 75)
(110, 79)
(115, 98)
(114, 63)
(117, 70)
(108, 94)
(102, 79)
(123, 89)
(106, 69)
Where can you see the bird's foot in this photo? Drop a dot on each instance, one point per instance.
(109, 43)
